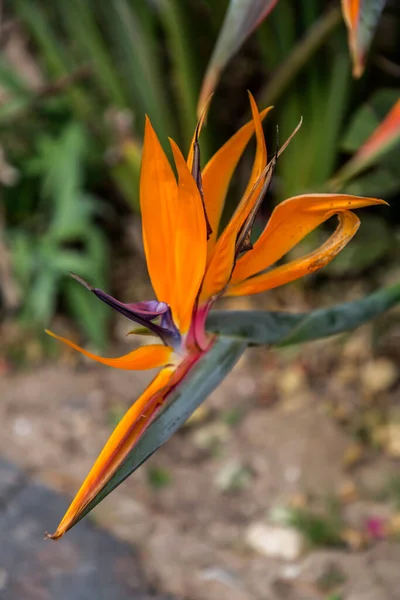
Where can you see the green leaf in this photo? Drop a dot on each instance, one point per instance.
(256, 327)
(361, 19)
(80, 21)
(242, 17)
(367, 118)
(205, 376)
(381, 182)
(184, 72)
(133, 40)
(377, 141)
(282, 329)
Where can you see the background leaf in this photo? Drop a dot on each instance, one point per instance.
(372, 138)
(361, 18)
(242, 17)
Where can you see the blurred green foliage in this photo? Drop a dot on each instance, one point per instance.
(60, 233)
(319, 529)
(72, 134)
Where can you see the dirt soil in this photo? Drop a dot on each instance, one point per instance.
(286, 431)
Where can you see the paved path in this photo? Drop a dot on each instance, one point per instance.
(88, 564)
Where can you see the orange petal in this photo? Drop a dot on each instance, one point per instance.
(222, 258)
(158, 203)
(348, 225)
(145, 357)
(290, 222)
(190, 242)
(125, 435)
(218, 172)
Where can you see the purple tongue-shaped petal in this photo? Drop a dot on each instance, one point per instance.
(143, 313)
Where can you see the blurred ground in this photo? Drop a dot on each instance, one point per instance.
(285, 484)
(90, 565)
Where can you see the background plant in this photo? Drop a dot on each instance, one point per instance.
(77, 78)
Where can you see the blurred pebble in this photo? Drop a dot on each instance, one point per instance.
(378, 375)
(291, 380)
(22, 427)
(222, 575)
(292, 473)
(232, 476)
(290, 571)
(274, 541)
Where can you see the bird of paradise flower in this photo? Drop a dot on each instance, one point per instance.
(191, 265)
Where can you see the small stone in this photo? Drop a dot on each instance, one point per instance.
(379, 375)
(22, 427)
(232, 476)
(291, 380)
(290, 571)
(274, 541)
(292, 473)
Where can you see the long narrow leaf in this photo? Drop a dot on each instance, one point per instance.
(281, 328)
(182, 55)
(82, 28)
(194, 389)
(242, 17)
(139, 63)
(361, 17)
(382, 140)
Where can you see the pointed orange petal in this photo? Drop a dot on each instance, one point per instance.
(218, 172)
(190, 242)
(290, 222)
(145, 357)
(261, 152)
(158, 203)
(222, 257)
(348, 225)
(125, 435)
